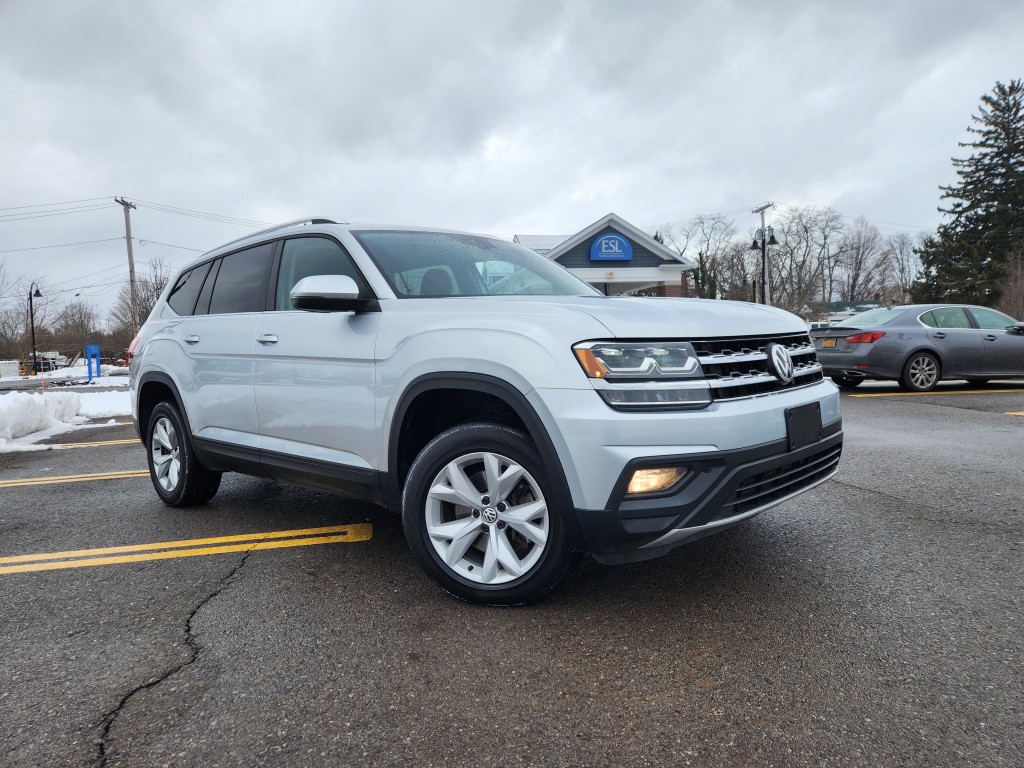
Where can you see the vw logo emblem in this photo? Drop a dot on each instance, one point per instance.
(490, 515)
(780, 362)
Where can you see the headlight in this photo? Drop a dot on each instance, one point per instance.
(645, 375)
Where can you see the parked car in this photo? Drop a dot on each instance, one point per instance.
(511, 414)
(921, 345)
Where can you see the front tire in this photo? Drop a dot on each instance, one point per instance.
(178, 477)
(921, 372)
(481, 517)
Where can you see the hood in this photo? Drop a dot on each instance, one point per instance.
(645, 318)
(595, 317)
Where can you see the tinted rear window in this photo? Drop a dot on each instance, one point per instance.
(182, 297)
(241, 282)
(871, 317)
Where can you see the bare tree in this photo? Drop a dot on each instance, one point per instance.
(1012, 299)
(705, 239)
(148, 289)
(902, 267)
(12, 333)
(77, 324)
(802, 266)
(738, 267)
(861, 269)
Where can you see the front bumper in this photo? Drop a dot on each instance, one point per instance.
(720, 490)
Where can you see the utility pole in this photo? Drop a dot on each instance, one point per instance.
(131, 260)
(766, 238)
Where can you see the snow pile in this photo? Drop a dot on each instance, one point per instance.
(23, 413)
(43, 415)
(78, 372)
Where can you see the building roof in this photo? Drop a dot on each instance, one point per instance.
(617, 222)
(539, 243)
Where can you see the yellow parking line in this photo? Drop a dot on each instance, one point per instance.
(100, 442)
(74, 478)
(84, 558)
(939, 392)
(1014, 413)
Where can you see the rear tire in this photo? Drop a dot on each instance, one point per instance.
(179, 478)
(481, 516)
(921, 372)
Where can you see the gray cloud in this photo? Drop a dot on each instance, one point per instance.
(501, 117)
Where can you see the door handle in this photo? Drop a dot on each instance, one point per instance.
(267, 338)
(939, 335)
(193, 339)
(991, 337)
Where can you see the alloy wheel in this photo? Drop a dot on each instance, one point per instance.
(487, 518)
(923, 372)
(166, 453)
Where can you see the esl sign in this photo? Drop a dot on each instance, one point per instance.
(611, 247)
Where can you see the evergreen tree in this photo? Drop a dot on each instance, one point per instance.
(966, 260)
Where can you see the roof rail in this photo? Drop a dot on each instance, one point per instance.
(286, 225)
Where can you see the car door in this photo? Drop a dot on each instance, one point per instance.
(1004, 351)
(958, 343)
(315, 373)
(217, 341)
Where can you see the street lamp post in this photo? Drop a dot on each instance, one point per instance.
(32, 323)
(762, 239)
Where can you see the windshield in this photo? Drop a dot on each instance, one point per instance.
(871, 317)
(431, 264)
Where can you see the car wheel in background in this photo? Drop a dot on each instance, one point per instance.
(921, 372)
(848, 382)
(481, 518)
(178, 477)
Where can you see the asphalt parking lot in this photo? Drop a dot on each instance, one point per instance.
(876, 620)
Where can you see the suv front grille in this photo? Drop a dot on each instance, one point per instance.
(738, 367)
(772, 485)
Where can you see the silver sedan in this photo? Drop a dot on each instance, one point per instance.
(922, 344)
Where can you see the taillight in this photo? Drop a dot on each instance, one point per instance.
(131, 350)
(865, 338)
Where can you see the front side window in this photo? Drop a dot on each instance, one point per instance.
(306, 256)
(430, 264)
(241, 281)
(989, 319)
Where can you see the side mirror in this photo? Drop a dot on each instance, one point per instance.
(1017, 328)
(330, 293)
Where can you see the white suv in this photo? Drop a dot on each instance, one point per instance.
(513, 415)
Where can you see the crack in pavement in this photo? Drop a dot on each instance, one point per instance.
(107, 722)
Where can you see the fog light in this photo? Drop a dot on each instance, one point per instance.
(655, 479)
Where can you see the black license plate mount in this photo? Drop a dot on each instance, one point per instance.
(803, 425)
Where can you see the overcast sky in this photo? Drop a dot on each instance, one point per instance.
(498, 117)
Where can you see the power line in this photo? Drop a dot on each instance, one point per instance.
(62, 245)
(53, 205)
(223, 218)
(45, 214)
(146, 241)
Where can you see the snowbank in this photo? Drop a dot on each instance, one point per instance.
(26, 417)
(78, 372)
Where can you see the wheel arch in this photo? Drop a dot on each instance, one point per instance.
(482, 399)
(154, 387)
(927, 350)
